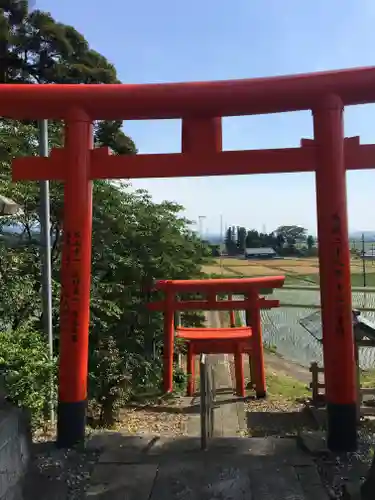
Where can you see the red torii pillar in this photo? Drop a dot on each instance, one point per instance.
(335, 278)
(75, 277)
(75, 281)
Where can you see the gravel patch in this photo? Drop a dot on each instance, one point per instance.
(336, 471)
(277, 417)
(58, 474)
(147, 421)
(64, 474)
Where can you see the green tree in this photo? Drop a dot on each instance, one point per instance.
(34, 48)
(292, 234)
(253, 239)
(24, 369)
(241, 239)
(230, 241)
(310, 241)
(134, 240)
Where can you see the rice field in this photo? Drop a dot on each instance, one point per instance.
(297, 270)
(281, 326)
(255, 271)
(218, 270)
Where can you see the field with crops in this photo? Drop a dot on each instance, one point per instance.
(301, 271)
(282, 326)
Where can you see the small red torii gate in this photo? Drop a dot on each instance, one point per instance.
(201, 106)
(252, 303)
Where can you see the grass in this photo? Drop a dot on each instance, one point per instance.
(270, 348)
(368, 378)
(280, 386)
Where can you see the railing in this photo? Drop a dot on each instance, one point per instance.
(207, 399)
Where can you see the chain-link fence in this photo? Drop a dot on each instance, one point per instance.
(282, 326)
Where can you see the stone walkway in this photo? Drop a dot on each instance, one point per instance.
(233, 468)
(229, 412)
(148, 468)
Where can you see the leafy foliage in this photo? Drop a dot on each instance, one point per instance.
(285, 240)
(34, 48)
(24, 368)
(134, 240)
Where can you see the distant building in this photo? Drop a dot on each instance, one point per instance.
(369, 255)
(260, 253)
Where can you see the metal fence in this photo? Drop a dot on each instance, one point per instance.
(207, 399)
(282, 326)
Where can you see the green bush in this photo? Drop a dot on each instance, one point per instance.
(26, 371)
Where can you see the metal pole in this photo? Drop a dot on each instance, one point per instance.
(45, 241)
(203, 401)
(221, 244)
(363, 260)
(201, 219)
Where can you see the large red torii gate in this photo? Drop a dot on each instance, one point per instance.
(201, 106)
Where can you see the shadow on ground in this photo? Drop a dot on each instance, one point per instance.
(288, 423)
(191, 407)
(164, 469)
(56, 474)
(147, 467)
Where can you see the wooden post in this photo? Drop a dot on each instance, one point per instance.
(232, 318)
(168, 340)
(315, 382)
(358, 382)
(257, 345)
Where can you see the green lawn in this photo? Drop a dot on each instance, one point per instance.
(285, 387)
(368, 378)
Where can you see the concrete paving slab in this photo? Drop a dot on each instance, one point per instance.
(310, 482)
(314, 442)
(126, 449)
(231, 469)
(184, 480)
(274, 482)
(285, 450)
(230, 445)
(119, 482)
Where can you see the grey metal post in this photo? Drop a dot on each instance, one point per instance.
(45, 245)
(363, 260)
(203, 401)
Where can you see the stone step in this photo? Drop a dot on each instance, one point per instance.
(145, 467)
(122, 448)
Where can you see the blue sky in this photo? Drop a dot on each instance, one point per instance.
(172, 40)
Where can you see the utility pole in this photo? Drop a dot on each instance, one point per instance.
(201, 219)
(221, 243)
(45, 245)
(363, 260)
